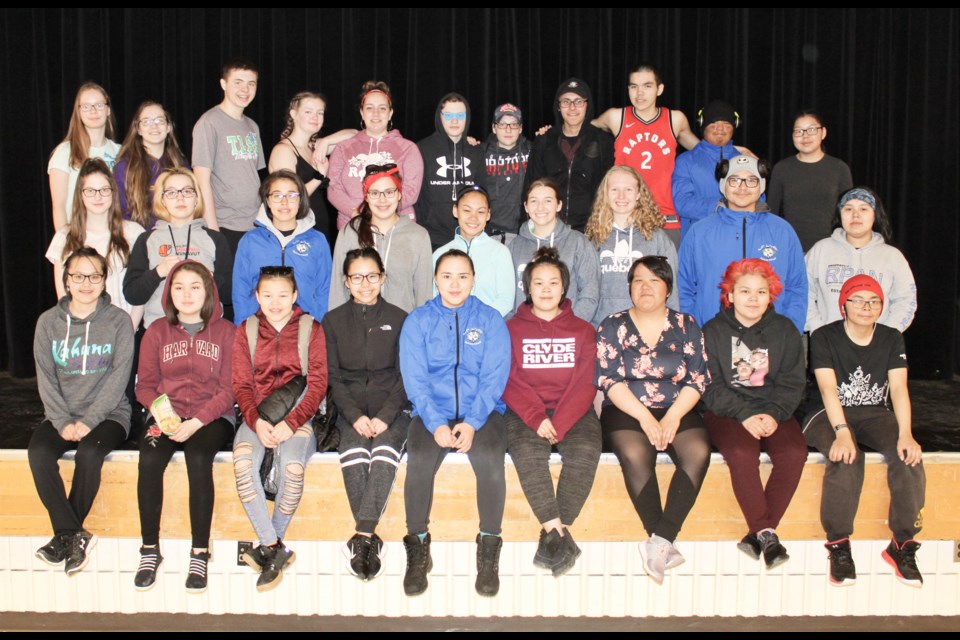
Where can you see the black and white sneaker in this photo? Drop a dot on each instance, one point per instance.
(375, 553)
(355, 550)
(276, 558)
(150, 560)
(843, 572)
(55, 551)
(78, 551)
(197, 575)
(750, 545)
(774, 553)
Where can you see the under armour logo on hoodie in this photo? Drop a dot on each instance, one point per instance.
(444, 167)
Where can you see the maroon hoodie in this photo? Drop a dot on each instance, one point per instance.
(552, 367)
(277, 362)
(195, 372)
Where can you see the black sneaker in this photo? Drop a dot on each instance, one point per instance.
(750, 545)
(275, 558)
(774, 553)
(374, 556)
(197, 574)
(566, 555)
(488, 564)
(254, 557)
(150, 560)
(55, 551)
(419, 564)
(843, 572)
(903, 559)
(546, 549)
(78, 551)
(356, 552)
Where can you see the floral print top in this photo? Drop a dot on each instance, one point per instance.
(655, 375)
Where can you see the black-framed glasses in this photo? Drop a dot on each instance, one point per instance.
(809, 131)
(358, 278)
(860, 303)
(78, 278)
(751, 182)
(90, 192)
(508, 126)
(379, 168)
(386, 193)
(276, 270)
(577, 102)
(276, 197)
(187, 193)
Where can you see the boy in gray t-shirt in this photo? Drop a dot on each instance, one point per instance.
(227, 152)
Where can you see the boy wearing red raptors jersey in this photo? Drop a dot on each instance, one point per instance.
(646, 139)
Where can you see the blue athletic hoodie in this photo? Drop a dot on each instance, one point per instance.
(455, 362)
(714, 242)
(306, 250)
(695, 193)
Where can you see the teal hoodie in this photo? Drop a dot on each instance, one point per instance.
(494, 283)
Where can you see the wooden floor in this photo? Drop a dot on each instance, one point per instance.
(607, 516)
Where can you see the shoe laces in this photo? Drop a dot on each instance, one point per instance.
(198, 564)
(149, 559)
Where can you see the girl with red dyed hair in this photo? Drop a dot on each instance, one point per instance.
(757, 372)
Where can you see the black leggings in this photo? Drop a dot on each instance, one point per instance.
(690, 452)
(44, 451)
(199, 451)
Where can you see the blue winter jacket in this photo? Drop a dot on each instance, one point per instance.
(716, 241)
(455, 362)
(306, 250)
(695, 190)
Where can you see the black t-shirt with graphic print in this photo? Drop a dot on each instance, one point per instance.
(861, 370)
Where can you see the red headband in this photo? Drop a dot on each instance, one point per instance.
(393, 174)
(364, 97)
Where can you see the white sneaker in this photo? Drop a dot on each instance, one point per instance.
(674, 557)
(654, 554)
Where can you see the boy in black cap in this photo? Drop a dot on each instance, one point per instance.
(505, 153)
(575, 153)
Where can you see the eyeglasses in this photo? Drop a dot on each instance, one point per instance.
(276, 197)
(90, 192)
(386, 193)
(751, 182)
(160, 121)
(453, 115)
(809, 131)
(508, 126)
(566, 104)
(859, 303)
(97, 106)
(187, 193)
(358, 278)
(378, 168)
(78, 278)
(276, 271)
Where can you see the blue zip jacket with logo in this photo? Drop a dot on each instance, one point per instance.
(455, 362)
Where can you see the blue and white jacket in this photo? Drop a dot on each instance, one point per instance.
(306, 250)
(455, 362)
(716, 241)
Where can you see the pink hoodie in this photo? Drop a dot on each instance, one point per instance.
(349, 160)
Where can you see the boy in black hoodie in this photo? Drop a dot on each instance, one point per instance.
(449, 164)
(574, 152)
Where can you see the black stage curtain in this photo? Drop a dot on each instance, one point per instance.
(885, 79)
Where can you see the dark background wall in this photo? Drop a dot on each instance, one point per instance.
(886, 81)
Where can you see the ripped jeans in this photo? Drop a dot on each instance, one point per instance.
(294, 454)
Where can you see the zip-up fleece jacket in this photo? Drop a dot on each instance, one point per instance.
(455, 362)
(306, 250)
(717, 240)
(363, 358)
(551, 368)
(196, 372)
(494, 283)
(83, 366)
(780, 390)
(576, 252)
(276, 362)
(192, 241)
(448, 166)
(348, 164)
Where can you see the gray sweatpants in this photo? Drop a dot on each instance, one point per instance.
(580, 453)
(369, 467)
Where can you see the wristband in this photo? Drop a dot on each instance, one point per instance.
(838, 428)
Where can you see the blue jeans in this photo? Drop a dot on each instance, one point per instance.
(293, 455)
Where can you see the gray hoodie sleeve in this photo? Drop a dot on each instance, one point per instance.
(423, 274)
(902, 298)
(586, 272)
(338, 292)
(114, 384)
(54, 405)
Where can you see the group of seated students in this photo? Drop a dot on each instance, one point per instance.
(515, 322)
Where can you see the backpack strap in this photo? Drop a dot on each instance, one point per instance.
(253, 327)
(304, 329)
